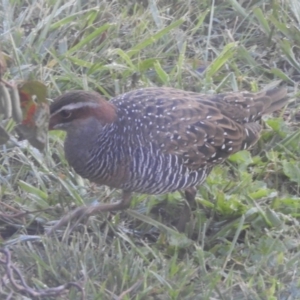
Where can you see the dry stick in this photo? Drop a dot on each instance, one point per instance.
(24, 289)
(123, 294)
(78, 214)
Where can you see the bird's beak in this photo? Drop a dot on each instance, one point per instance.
(53, 124)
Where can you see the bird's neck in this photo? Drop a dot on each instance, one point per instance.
(81, 144)
(95, 153)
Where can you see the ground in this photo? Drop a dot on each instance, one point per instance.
(243, 240)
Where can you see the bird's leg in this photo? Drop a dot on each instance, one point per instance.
(87, 211)
(190, 194)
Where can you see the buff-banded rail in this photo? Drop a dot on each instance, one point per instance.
(156, 140)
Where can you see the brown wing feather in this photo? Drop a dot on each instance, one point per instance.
(199, 129)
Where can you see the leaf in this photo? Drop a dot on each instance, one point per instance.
(279, 126)
(32, 190)
(229, 205)
(163, 76)
(227, 53)
(85, 41)
(3, 65)
(37, 194)
(260, 193)
(262, 20)
(146, 64)
(4, 136)
(125, 58)
(238, 8)
(34, 89)
(287, 49)
(241, 157)
(154, 37)
(5, 101)
(34, 126)
(282, 75)
(291, 170)
(273, 218)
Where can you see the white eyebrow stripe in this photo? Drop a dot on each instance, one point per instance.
(73, 106)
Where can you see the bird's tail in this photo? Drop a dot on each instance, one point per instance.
(278, 99)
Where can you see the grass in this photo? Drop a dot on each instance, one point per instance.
(243, 240)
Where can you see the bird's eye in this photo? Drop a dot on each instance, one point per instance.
(65, 114)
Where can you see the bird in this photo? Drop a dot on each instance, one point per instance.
(156, 140)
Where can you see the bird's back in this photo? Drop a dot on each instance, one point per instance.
(199, 128)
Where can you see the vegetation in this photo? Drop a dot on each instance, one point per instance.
(243, 240)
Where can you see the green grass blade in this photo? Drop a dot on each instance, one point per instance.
(223, 58)
(154, 37)
(85, 41)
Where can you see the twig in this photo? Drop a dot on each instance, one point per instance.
(123, 294)
(24, 289)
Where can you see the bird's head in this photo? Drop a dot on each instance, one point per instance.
(77, 108)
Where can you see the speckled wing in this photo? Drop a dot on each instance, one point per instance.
(199, 129)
